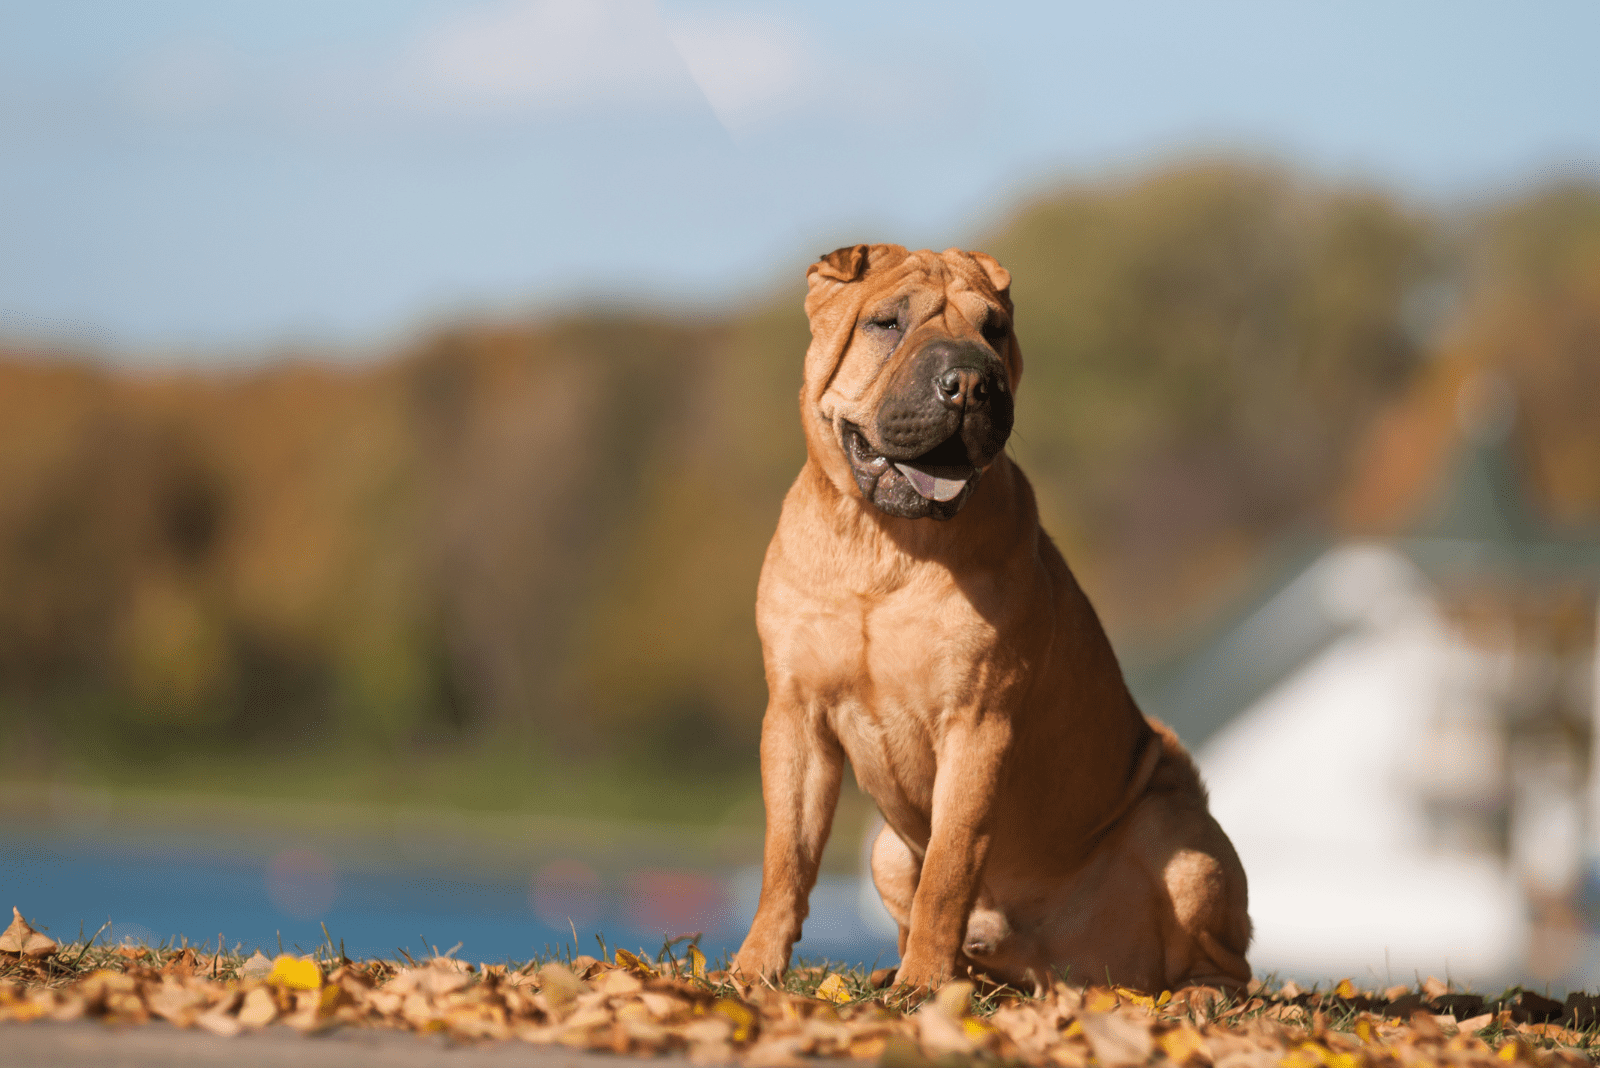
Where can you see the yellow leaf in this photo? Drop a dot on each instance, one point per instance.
(1183, 1043)
(1300, 1058)
(1345, 989)
(1099, 999)
(633, 963)
(1144, 1001)
(697, 962)
(737, 1013)
(296, 973)
(1512, 1051)
(833, 989)
(954, 999)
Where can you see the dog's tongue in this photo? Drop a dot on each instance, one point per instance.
(936, 483)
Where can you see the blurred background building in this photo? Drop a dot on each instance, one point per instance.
(396, 400)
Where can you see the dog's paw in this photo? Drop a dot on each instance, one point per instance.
(756, 964)
(921, 977)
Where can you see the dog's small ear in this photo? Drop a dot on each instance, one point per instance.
(842, 264)
(998, 276)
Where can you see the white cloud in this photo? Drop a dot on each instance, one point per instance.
(548, 55)
(751, 69)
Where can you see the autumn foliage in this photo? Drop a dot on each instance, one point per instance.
(676, 1002)
(542, 538)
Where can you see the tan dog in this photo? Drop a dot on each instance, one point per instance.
(915, 619)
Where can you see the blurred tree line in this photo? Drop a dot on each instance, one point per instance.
(541, 540)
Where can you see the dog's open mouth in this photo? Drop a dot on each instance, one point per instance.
(940, 474)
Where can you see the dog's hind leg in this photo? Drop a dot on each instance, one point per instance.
(895, 872)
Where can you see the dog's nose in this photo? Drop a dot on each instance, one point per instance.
(962, 387)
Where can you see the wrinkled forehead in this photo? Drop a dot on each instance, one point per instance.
(926, 284)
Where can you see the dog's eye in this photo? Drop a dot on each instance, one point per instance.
(995, 331)
(885, 324)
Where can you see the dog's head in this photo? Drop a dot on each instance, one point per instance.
(910, 375)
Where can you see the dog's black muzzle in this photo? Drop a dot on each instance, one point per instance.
(946, 415)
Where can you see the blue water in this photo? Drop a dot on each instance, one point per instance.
(154, 893)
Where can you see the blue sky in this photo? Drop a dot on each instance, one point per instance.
(181, 180)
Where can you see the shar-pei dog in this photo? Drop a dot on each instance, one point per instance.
(916, 620)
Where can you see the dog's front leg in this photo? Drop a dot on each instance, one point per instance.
(801, 765)
(970, 762)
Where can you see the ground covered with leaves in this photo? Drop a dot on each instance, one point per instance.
(673, 1002)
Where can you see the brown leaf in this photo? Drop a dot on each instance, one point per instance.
(258, 1009)
(778, 1052)
(182, 965)
(259, 966)
(173, 1002)
(219, 1022)
(617, 983)
(1116, 1039)
(560, 988)
(23, 940)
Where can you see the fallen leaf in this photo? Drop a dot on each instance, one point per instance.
(560, 987)
(953, 999)
(218, 1023)
(697, 962)
(176, 1004)
(1344, 988)
(23, 940)
(833, 989)
(259, 1009)
(295, 973)
(1099, 999)
(1184, 1045)
(618, 982)
(742, 1017)
(1116, 1039)
(257, 967)
(1134, 997)
(634, 963)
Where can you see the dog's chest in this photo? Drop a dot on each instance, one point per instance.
(887, 671)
